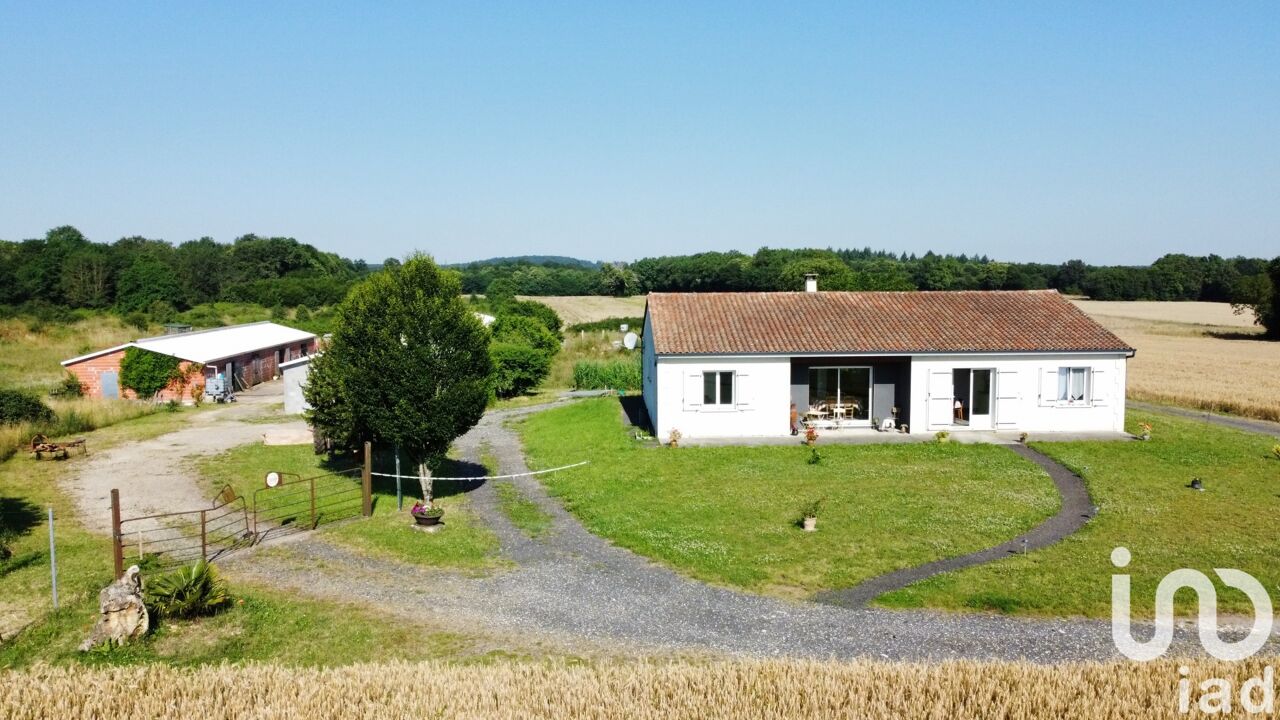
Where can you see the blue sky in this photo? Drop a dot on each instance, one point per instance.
(1112, 132)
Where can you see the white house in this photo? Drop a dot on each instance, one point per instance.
(732, 364)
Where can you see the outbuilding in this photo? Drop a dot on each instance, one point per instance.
(724, 365)
(244, 355)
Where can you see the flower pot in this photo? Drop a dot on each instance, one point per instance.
(810, 524)
(425, 519)
(1145, 436)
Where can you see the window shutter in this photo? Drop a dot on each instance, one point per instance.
(693, 391)
(742, 395)
(1007, 394)
(1048, 386)
(1100, 393)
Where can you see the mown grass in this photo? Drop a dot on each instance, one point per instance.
(27, 488)
(1144, 505)
(523, 513)
(720, 690)
(262, 625)
(464, 542)
(731, 515)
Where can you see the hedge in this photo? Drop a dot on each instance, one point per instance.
(18, 407)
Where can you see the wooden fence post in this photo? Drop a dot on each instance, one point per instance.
(313, 503)
(117, 550)
(204, 538)
(366, 479)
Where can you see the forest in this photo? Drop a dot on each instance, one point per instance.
(64, 269)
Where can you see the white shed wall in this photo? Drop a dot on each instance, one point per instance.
(1024, 394)
(762, 397)
(295, 378)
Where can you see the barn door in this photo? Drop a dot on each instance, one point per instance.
(1007, 396)
(941, 397)
(109, 381)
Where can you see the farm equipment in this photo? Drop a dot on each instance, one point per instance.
(42, 448)
(218, 389)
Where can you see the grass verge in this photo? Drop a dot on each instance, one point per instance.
(731, 515)
(1144, 505)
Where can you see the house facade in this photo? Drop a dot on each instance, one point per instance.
(244, 355)
(733, 364)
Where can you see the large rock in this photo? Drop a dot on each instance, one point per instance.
(122, 615)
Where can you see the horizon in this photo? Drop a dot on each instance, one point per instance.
(1025, 134)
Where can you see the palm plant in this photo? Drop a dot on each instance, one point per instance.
(189, 592)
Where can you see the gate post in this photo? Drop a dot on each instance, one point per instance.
(204, 538)
(117, 550)
(312, 482)
(366, 479)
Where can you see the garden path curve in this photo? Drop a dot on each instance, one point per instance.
(1075, 511)
(574, 590)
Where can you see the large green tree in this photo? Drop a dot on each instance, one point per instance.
(408, 365)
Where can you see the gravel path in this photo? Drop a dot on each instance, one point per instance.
(1076, 510)
(158, 475)
(573, 589)
(1238, 423)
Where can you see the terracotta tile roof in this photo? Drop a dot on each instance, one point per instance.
(872, 322)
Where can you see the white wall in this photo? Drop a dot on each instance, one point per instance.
(1024, 392)
(762, 397)
(295, 378)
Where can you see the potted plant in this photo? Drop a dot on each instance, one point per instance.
(1144, 431)
(427, 513)
(809, 513)
(942, 436)
(875, 423)
(675, 438)
(811, 436)
(1022, 438)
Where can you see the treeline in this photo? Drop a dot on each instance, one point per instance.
(1172, 277)
(136, 274)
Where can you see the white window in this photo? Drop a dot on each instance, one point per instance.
(717, 388)
(1073, 385)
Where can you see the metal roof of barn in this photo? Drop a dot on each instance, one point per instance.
(205, 346)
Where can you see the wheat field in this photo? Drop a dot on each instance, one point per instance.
(575, 309)
(645, 691)
(1196, 355)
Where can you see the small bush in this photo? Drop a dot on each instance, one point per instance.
(19, 407)
(188, 592)
(634, 324)
(814, 456)
(942, 436)
(812, 508)
(69, 387)
(517, 368)
(137, 319)
(620, 374)
(1275, 450)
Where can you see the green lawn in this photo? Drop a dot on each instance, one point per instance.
(463, 544)
(729, 515)
(1145, 506)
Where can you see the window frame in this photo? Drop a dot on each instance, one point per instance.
(1066, 371)
(718, 402)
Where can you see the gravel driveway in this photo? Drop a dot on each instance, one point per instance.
(575, 590)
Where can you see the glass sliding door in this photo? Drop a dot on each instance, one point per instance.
(844, 392)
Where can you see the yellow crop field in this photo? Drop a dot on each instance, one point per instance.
(590, 308)
(1197, 355)
(631, 691)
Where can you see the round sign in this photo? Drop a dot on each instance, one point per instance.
(273, 479)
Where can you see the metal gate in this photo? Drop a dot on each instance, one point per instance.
(299, 503)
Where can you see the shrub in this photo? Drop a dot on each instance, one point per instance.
(69, 387)
(19, 407)
(942, 436)
(521, 330)
(544, 314)
(812, 508)
(188, 592)
(146, 372)
(1275, 450)
(620, 374)
(138, 320)
(815, 457)
(302, 314)
(518, 368)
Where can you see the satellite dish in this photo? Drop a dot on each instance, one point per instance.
(273, 479)
(630, 340)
